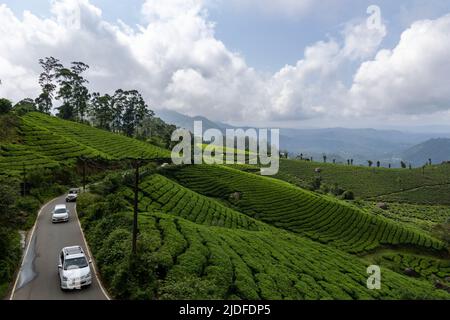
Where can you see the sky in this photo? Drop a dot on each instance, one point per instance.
(286, 63)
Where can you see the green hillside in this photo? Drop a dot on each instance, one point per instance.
(428, 195)
(218, 232)
(436, 149)
(320, 218)
(162, 194)
(194, 247)
(45, 142)
(374, 182)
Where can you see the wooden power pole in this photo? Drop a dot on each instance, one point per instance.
(84, 175)
(136, 201)
(24, 180)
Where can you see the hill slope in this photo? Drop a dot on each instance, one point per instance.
(369, 182)
(282, 205)
(46, 141)
(185, 254)
(438, 150)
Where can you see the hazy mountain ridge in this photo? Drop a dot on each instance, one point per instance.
(387, 146)
(438, 150)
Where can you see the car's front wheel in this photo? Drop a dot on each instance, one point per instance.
(61, 286)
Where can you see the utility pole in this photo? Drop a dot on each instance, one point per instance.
(24, 180)
(84, 174)
(136, 201)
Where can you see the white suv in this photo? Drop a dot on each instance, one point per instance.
(60, 213)
(74, 268)
(72, 195)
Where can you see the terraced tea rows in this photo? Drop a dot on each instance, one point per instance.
(421, 216)
(47, 142)
(14, 157)
(56, 147)
(282, 205)
(191, 261)
(367, 182)
(419, 266)
(162, 194)
(114, 145)
(427, 195)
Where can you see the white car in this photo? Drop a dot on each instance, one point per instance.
(74, 268)
(60, 213)
(72, 195)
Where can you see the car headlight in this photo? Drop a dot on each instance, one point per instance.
(65, 278)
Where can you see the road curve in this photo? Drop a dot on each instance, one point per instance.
(38, 276)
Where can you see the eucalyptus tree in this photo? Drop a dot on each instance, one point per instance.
(44, 101)
(101, 110)
(73, 92)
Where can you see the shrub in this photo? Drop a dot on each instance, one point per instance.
(5, 106)
(26, 209)
(25, 106)
(348, 195)
(187, 288)
(109, 185)
(86, 200)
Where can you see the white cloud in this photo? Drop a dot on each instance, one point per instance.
(284, 7)
(169, 9)
(410, 79)
(176, 61)
(314, 87)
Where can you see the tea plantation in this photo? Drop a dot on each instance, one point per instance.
(418, 266)
(424, 217)
(162, 194)
(427, 195)
(225, 232)
(282, 205)
(430, 185)
(179, 259)
(46, 142)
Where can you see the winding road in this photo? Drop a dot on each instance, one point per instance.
(38, 276)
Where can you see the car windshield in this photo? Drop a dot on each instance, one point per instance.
(75, 263)
(59, 211)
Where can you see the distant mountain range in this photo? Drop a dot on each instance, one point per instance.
(438, 150)
(387, 146)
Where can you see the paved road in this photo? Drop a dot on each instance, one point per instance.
(38, 277)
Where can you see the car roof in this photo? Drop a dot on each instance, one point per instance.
(60, 206)
(75, 251)
(74, 190)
